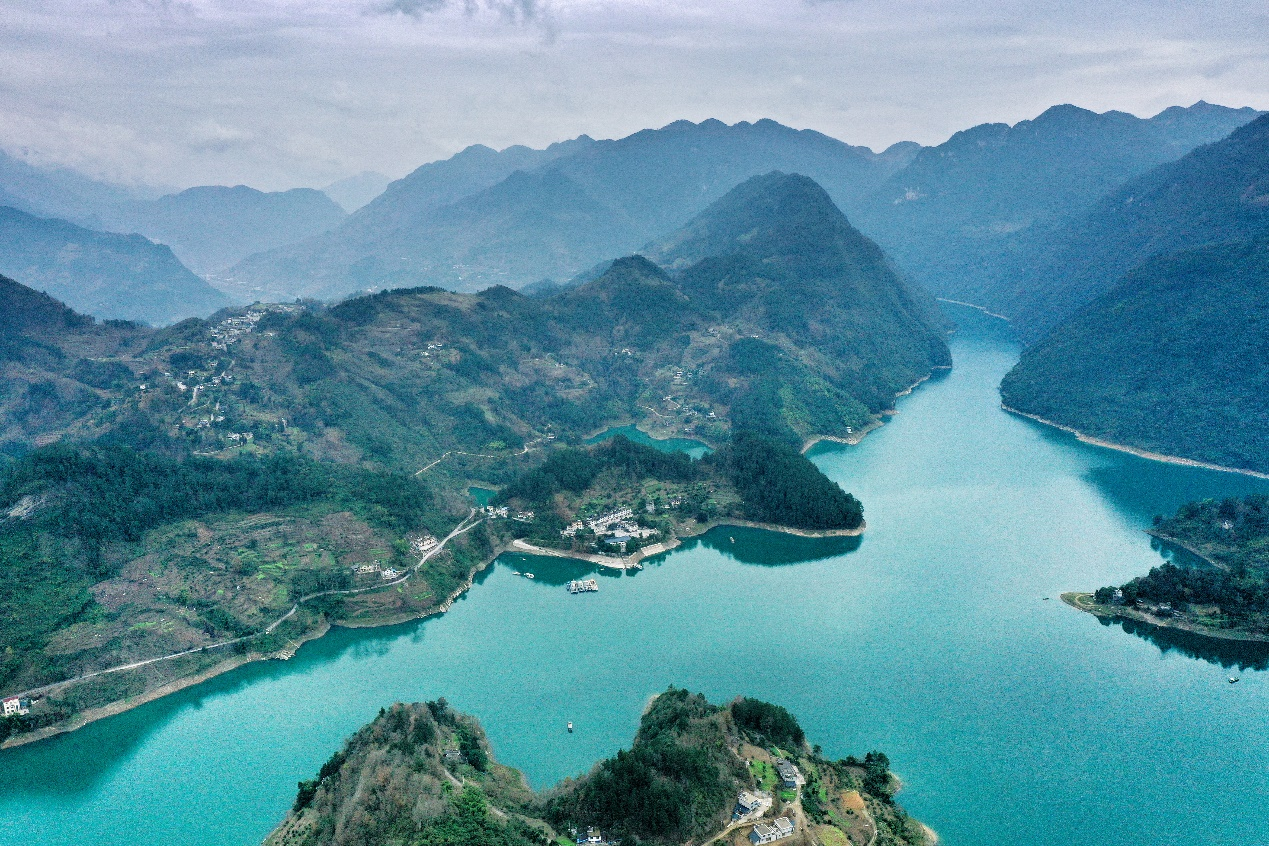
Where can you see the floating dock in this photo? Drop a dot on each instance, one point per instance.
(583, 586)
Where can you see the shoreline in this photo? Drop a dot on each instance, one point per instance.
(1078, 601)
(110, 709)
(983, 309)
(1137, 451)
(119, 706)
(629, 561)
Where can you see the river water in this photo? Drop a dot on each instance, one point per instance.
(937, 637)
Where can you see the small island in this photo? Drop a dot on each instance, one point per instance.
(621, 501)
(731, 775)
(1226, 596)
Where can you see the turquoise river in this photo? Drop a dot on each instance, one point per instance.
(938, 637)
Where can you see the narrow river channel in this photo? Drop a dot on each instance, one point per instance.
(938, 637)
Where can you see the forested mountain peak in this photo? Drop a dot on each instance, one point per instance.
(777, 217)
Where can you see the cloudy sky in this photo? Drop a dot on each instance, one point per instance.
(282, 93)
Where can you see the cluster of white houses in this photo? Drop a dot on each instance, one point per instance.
(617, 528)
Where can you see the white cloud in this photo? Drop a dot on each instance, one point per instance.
(277, 93)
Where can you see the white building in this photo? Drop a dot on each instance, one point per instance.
(13, 705)
(771, 832)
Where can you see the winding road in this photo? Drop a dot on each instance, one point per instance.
(468, 523)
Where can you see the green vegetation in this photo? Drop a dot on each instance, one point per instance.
(773, 722)
(394, 783)
(1233, 594)
(106, 548)
(750, 478)
(779, 485)
(1170, 361)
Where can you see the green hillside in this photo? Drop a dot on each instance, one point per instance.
(1172, 360)
(423, 774)
(1228, 596)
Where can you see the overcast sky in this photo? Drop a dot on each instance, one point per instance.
(283, 93)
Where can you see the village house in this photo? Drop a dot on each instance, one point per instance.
(771, 832)
(13, 706)
(749, 804)
(592, 836)
(790, 776)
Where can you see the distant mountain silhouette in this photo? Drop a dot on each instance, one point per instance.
(964, 213)
(1219, 192)
(577, 203)
(213, 227)
(353, 192)
(101, 273)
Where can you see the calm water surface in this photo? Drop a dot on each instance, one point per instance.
(938, 638)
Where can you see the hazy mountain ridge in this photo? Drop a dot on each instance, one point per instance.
(963, 215)
(1171, 360)
(442, 226)
(213, 227)
(1218, 192)
(108, 275)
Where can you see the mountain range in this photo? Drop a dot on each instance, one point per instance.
(1217, 193)
(111, 276)
(520, 216)
(211, 228)
(963, 214)
(398, 378)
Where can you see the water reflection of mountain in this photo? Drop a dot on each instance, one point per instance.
(772, 549)
(1241, 654)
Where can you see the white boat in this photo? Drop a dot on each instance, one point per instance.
(515, 572)
(528, 575)
(1233, 679)
(570, 728)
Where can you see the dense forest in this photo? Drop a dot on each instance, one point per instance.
(1171, 360)
(422, 775)
(1234, 593)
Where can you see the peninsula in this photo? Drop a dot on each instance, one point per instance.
(1227, 596)
(698, 773)
(620, 501)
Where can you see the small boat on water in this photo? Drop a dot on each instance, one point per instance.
(570, 728)
(733, 540)
(528, 575)
(515, 572)
(1234, 679)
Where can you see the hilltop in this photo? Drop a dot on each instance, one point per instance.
(1170, 361)
(423, 773)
